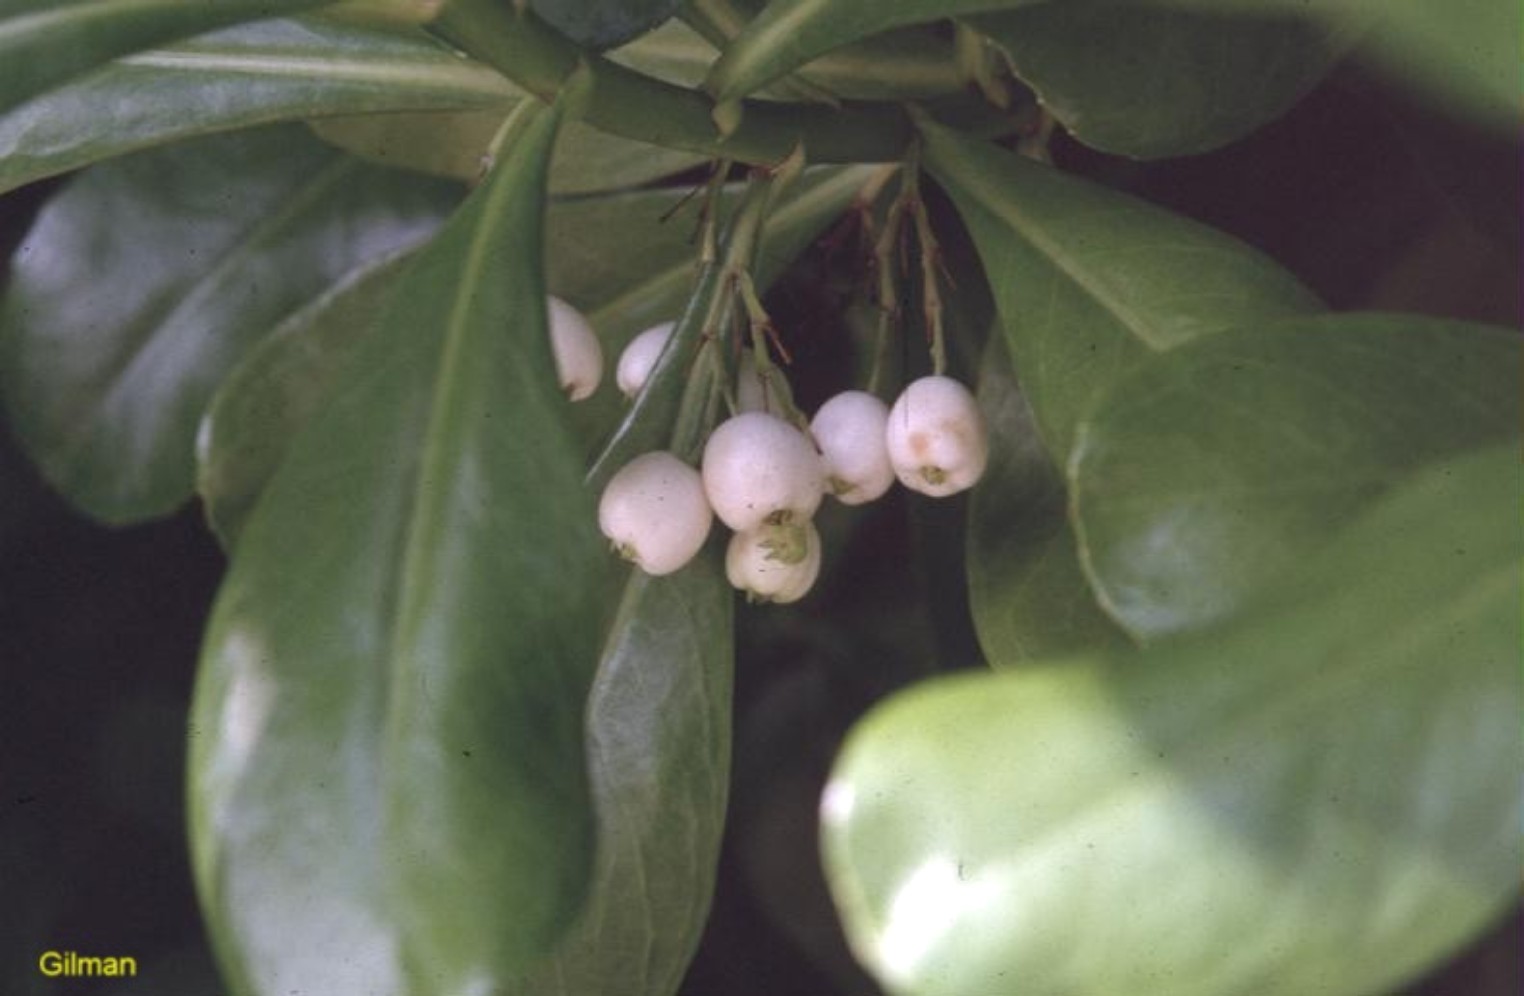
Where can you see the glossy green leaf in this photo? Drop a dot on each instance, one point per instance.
(456, 144)
(787, 34)
(249, 75)
(1150, 83)
(1218, 468)
(1028, 593)
(1323, 798)
(1088, 281)
(388, 760)
(658, 731)
(600, 24)
(142, 283)
(277, 388)
(44, 43)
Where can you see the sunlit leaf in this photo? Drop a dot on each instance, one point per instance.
(389, 754)
(1322, 798)
(1223, 465)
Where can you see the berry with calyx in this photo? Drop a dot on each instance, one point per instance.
(850, 430)
(579, 357)
(654, 512)
(758, 468)
(640, 356)
(774, 563)
(937, 440)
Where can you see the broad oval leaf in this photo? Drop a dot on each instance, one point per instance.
(1217, 468)
(789, 33)
(109, 353)
(254, 74)
(1028, 594)
(1137, 81)
(658, 733)
(1088, 281)
(599, 24)
(1322, 798)
(277, 388)
(45, 42)
(388, 759)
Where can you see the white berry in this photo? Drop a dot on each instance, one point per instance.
(850, 430)
(655, 513)
(640, 356)
(758, 468)
(579, 357)
(774, 563)
(937, 440)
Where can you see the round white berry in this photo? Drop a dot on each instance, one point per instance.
(774, 563)
(579, 357)
(937, 440)
(758, 468)
(640, 356)
(754, 394)
(850, 430)
(655, 513)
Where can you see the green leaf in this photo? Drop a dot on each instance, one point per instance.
(599, 24)
(249, 75)
(787, 34)
(587, 160)
(142, 283)
(44, 43)
(1218, 468)
(658, 731)
(1090, 282)
(1323, 798)
(388, 760)
(1149, 83)
(1028, 593)
(277, 388)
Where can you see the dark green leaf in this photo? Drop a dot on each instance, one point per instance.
(277, 388)
(250, 75)
(659, 755)
(143, 282)
(1323, 798)
(388, 783)
(1221, 466)
(1027, 591)
(46, 42)
(789, 33)
(600, 24)
(1088, 281)
(1149, 83)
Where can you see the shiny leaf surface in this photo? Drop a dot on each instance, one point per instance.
(253, 74)
(1224, 464)
(389, 758)
(1322, 798)
(1150, 83)
(1088, 281)
(109, 354)
(277, 388)
(45, 42)
(1028, 593)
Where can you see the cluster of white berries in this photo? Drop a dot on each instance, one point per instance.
(764, 478)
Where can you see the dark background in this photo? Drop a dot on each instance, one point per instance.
(1369, 196)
